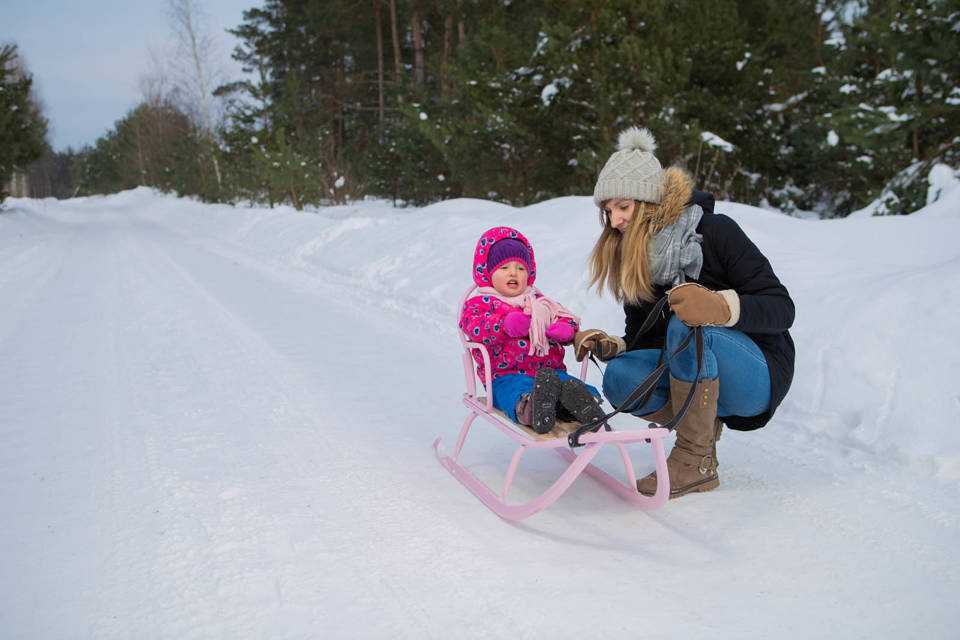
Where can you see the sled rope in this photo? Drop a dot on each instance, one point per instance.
(642, 392)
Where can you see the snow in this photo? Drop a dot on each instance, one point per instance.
(714, 140)
(893, 115)
(216, 422)
(549, 91)
(942, 180)
(943, 196)
(832, 138)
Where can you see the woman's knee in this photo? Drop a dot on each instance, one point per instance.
(614, 385)
(624, 373)
(684, 365)
(621, 380)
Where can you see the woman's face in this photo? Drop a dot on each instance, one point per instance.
(620, 212)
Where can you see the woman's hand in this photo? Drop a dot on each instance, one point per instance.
(596, 341)
(696, 305)
(516, 324)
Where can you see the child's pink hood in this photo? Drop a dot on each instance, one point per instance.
(480, 275)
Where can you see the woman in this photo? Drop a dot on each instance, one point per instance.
(660, 237)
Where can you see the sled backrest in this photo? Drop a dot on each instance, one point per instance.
(469, 369)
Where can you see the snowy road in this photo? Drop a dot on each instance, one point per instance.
(196, 443)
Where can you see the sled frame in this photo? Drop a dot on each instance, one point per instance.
(580, 462)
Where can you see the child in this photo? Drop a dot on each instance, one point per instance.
(524, 332)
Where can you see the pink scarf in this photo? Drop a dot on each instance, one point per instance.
(542, 311)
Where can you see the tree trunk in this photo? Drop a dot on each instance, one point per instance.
(818, 39)
(378, 14)
(140, 163)
(341, 112)
(397, 64)
(918, 92)
(197, 48)
(445, 60)
(216, 168)
(417, 47)
(295, 199)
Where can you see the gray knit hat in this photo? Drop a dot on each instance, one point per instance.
(632, 171)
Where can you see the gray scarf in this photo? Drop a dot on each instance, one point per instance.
(675, 252)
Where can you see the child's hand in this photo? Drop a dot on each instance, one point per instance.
(561, 331)
(516, 324)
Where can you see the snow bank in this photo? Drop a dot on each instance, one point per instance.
(876, 298)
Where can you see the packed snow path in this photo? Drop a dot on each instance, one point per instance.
(196, 442)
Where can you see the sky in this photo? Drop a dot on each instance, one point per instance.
(87, 57)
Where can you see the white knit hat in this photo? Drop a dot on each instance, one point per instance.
(632, 171)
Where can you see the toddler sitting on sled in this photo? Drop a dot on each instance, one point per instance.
(524, 333)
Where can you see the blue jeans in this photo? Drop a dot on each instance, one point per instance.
(508, 389)
(728, 354)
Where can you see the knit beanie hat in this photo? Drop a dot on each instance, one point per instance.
(506, 250)
(632, 172)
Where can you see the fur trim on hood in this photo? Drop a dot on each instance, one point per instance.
(676, 189)
(480, 275)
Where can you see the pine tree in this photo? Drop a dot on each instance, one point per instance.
(23, 129)
(900, 72)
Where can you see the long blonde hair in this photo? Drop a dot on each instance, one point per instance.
(619, 261)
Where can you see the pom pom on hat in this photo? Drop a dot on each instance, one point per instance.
(637, 139)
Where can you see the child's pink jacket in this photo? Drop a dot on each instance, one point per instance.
(482, 319)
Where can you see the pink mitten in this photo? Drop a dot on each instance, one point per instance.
(516, 324)
(561, 331)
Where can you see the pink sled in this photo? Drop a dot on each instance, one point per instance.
(482, 406)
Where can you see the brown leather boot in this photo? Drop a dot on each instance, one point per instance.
(661, 416)
(693, 462)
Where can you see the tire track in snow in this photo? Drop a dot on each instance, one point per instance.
(282, 379)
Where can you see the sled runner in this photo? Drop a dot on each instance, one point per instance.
(575, 443)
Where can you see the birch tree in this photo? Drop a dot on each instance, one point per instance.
(196, 72)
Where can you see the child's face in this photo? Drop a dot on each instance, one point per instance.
(510, 278)
(620, 212)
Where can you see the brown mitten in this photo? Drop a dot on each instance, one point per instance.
(598, 342)
(585, 342)
(696, 305)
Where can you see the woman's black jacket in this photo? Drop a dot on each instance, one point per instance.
(732, 261)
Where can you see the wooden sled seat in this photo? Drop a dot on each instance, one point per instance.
(560, 429)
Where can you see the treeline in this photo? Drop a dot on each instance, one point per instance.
(810, 105)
